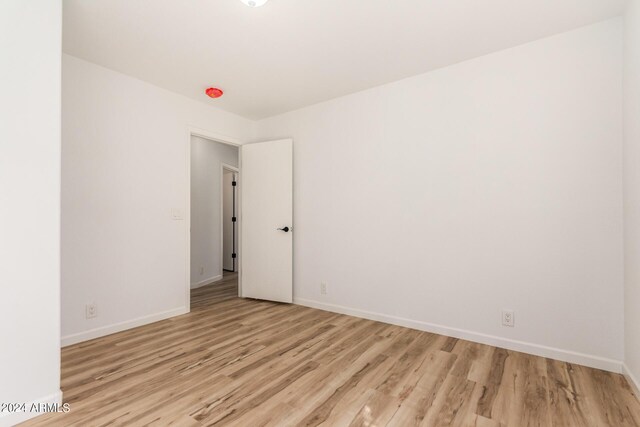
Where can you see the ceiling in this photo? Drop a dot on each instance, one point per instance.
(293, 53)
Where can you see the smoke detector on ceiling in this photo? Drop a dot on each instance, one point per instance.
(214, 92)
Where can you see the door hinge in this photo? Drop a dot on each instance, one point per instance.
(234, 256)
(233, 183)
(233, 219)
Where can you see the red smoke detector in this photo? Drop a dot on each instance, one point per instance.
(214, 92)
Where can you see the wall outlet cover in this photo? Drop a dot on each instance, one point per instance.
(91, 311)
(508, 318)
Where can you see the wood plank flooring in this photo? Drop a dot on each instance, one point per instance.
(252, 363)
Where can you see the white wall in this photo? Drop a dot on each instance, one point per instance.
(30, 43)
(207, 158)
(505, 193)
(632, 191)
(125, 169)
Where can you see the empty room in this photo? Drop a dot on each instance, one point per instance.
(320, 212)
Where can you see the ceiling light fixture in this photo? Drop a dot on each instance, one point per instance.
(254, 3)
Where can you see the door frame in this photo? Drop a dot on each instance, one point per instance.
(236, 170)
(223, 139)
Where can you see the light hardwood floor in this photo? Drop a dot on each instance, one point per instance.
(253, 363)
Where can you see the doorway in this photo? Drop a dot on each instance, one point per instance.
(264, 219)
(213, 217)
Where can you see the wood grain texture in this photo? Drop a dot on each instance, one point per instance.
(252, 363)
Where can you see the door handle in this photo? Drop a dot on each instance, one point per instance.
(285, 229)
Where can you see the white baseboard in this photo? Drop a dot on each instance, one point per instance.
(205, 282)
(524, 347)
(121, 326)
(631, 379)
(14, 418)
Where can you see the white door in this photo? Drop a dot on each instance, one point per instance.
(228, 220)
(266, 241)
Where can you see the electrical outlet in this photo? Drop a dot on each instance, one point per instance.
(323, 288)
(91, 311)
(508, 318)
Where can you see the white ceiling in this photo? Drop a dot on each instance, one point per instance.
(293, 53)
